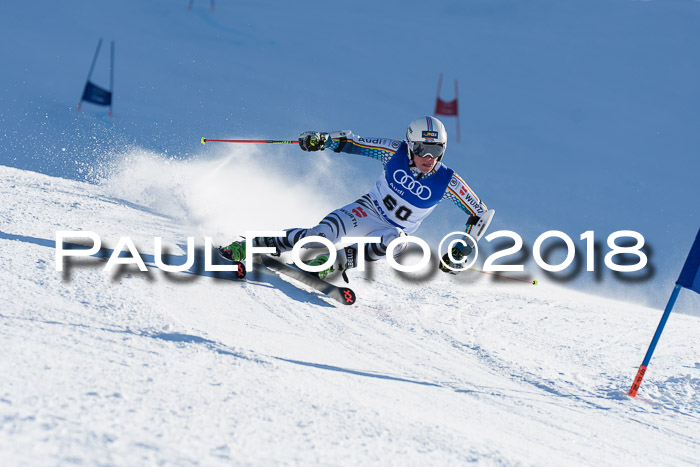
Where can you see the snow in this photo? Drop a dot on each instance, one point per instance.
(155, 367)
(575, 116)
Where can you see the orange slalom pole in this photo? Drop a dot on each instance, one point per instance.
(650, 351)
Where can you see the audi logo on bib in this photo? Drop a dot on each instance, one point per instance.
(405, 180)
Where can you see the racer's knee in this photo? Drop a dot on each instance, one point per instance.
(377, 251)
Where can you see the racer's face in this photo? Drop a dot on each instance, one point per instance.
(425, 154)
(424, 164)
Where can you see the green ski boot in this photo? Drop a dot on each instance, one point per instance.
(236, 251)
(317, 261)
(345, 261)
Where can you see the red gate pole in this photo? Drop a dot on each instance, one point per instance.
(457, 110)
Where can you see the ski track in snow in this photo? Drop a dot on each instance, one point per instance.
(182, 368)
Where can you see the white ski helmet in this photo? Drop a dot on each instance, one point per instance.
(426, 135)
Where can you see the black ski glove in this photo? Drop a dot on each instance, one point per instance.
(314, 141)
(458, 253)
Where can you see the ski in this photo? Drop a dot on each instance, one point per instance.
(342, 295)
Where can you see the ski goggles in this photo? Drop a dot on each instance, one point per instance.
(432, 150)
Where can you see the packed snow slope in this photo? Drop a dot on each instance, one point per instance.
(575, 116)
(135, 367)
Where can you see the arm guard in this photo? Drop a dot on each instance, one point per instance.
(459, 192)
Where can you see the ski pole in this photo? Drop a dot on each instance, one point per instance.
(534, 282)
(262, 141)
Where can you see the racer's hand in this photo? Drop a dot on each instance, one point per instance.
(314, 140)
(459, 252)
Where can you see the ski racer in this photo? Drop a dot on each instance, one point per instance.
(413, 182)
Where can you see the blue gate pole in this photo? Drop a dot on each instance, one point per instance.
(92, 68)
